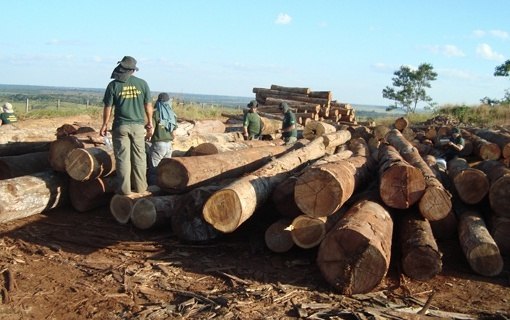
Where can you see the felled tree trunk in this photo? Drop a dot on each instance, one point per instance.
(500, 231)
(60, 148)
(17, 166)
(486, 150)
(421, 258)
(121, 205)
(231, 206)
(32, 194)
(278, 237)
(501, 139)
(499, 191)
(180, 174)
(283, 198)
(479, 247)
(445, 228)
(208, 126)
(472, 185)
(401, 185)
(324, 187)
(91, 194)
(315, 129)
(435, 204)
(10, 149)
(208, 148)
(90, 163)
(270, 126)
(355, 255)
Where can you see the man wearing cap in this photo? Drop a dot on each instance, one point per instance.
(454, 145)
(131, 98)
(251, 122)
(289, 131)
(7, 116)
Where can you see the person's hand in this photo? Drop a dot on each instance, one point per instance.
(103, 130)
(245, 135)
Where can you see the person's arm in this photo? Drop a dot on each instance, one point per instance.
(456, 147)
(149, 111)
(107, 112)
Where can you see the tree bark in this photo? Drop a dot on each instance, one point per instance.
(17, 166)
(208, 148)
(32, 194)
(499, 191)
(478, 246)
(91, 194)
(435, 204)
(278, 237)
(500, 231)
(291, 89)
(501, 139)
(180, 174)
(421, 258)
(484, 149)
(231, 206)
(401, 185)
(472, 185)
(90, 163)
(355, 255)
(60, 148)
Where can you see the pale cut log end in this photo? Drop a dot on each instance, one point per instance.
(278, 237)
(472, 185)
(171, 174)
(435, 204)
(317, 193)
(422, 263)
(120, 207)
(401, 186)
(485, 259)
(308, 232)
(79, 164)
(223, 210)
(143, 214)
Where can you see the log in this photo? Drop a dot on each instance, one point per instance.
(283, 198)
(380, 132)
(308, 232)
(263, 93)
(321, 94)
(435, 204)
(334, 139)
(180, 174)
(208, 127)
(401, 185)
(90, 163)
(91, 194)
(324, 187)
(60, 148)
(500, 231)
(19, 148)
(269, 126)
(499, 191)
(231, 206)
(28, 195)
(501, 139)
(472, 185)
(291, 89)
(315, 129)
(480, 249)
(121, 204)
(68, 129)
(484, 149)
(446, 228)
(355, 255)
(208, 148)
(278, 237)
(181, 144)
(401, 123)
(25, 164)
(421, 258)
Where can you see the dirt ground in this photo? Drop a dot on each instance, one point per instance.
(62, 264)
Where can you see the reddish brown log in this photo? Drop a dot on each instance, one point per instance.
(501, 139)
(17, 166)
(269, 126)
(500, 231)
(60, 148)
(401, 185)
(208, 127)
(90, 163)
(484, 149)
(283, 198)
(472, 185)
(180, 174)
(499, 191)
(231, 206)
(421, 258)
(290, 89)
(28, 195)
(479, 247)
(355, 255)
(401, 123)
(91, 194)
(315, 129)
(278, 237)
(208, 148)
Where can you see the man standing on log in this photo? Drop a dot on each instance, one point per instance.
(165, 122)
(132, 101)
(289, 131)
(252, 124)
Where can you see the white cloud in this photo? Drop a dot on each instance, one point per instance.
(456, 74)
(485, 51)
(478, 33)
(499, 34)
(448, 50)
(382, 67)
(283, 18)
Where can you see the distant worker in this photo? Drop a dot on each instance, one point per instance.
(289, 131)
(252, 123)
(131, 98)
(451, 145)
(7, 116)
(161, 136)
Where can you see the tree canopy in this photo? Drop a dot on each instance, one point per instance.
(503, 70)
(409, 87)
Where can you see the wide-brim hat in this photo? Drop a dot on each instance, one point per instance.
(253, 104)
(7, 108)
(129, 63)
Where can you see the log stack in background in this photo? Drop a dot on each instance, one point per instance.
(305, 103)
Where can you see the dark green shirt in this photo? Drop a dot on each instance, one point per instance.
(8, 118)
(289, 119)
(252, 122)
(128, 99)
(160, 131)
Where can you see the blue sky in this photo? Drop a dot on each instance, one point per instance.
(226, 47)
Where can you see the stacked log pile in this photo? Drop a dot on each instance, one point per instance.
(305, 103)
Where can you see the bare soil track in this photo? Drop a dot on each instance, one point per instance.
(68, 265)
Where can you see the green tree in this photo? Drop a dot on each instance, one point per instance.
(503, 70)
(409, 87)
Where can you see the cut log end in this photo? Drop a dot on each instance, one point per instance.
(316, 193)
(223, 210)
(78, 164)
(486, 260)
(278, 237)
(308, 232)
(435, 204)
(401, 186)
(143, 214)
(472, 185)
(120, 207)
(172, 174)
(499, 196)
(422, 263)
